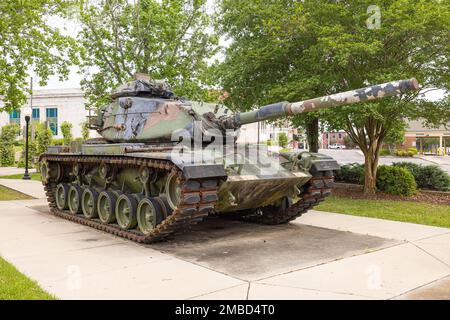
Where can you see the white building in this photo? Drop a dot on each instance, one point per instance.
(53, 106)
(268, 131)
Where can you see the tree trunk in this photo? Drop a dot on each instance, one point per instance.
(312, 133)
(370, 171)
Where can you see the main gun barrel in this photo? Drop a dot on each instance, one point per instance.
(281, 109)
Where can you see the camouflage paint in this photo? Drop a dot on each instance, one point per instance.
(345, 98)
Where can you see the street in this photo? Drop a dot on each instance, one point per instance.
(352, 156)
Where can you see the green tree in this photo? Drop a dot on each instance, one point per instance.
(349, 143)
(282, 139)
(43, 138)
(167, 39)
(29, 43)
(293, 50)
(84, 130)
(395, 136)
(8, 136)
(66, 129)
(31, 150)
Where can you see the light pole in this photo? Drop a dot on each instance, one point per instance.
(27, 112)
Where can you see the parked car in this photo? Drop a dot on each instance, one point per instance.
(336, 146)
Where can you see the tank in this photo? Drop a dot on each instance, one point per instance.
(163, 163)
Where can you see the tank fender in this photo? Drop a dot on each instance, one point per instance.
(201, 171)
(313, 162)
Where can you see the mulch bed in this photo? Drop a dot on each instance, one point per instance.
(355, 191)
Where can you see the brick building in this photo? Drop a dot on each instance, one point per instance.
(329, 138)
(426, 140)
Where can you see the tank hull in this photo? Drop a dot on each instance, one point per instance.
(137, 175)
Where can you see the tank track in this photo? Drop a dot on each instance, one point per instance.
(182, 217)
(314, 192)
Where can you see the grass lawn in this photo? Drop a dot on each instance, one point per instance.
(414, 212)
(16, 286)
(9, 194)
(34, 176)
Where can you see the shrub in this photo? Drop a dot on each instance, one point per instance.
(31, 151)
(43, 138)
(428, 177)
(385, 152)
(413, 151)
(57, 142)
(282, 139)
(8, 136)
(414, 168)
(66, 129)
(433, 177)
(396, 180)
(84, 130)
(351, 173)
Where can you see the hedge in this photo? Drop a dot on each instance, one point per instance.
(396, 180)
(428, 177)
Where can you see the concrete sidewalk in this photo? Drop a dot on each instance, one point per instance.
(32, 188)
(7, 171)
(319, 256)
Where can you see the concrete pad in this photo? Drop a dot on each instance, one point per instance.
(438, 246)
(74, 261)
(32, 188)
(218, 259)
(269, 292)
(233, 293)
(251, 251)
(370, 226)
(161, 279)
(381, 274)
(438, 290)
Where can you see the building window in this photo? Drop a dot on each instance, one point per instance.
(340, 136)
(14, 117)
(35, 114)
(52, 119)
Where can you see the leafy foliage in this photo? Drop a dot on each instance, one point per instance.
(66, 129)
(428, 177)
(31, 151)
(167, 39)
(351, 173)
(282, 139)
(396, 180)
(8, 135)
(43, 138)
(294, 50)
(27, 42)
(84, 130)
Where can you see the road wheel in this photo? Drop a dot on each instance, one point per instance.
(149, 215)
(61, 195)
(173, 190)
(89, 203)
(74, 199)
(126, 206)
(107, 207)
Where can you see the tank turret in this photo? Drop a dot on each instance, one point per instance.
(145, 110)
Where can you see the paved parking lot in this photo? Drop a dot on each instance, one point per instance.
(318, 256)
(352, 156)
